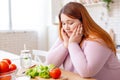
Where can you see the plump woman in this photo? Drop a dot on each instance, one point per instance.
(83, 46)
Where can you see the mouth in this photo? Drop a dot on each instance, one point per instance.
(69, 33)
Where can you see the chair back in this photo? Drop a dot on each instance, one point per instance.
(39, 55)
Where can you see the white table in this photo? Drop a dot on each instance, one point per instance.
(4, 54)
(13, 57)
(16, 59)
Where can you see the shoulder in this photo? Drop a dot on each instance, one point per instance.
(93, 43)
(95, 40)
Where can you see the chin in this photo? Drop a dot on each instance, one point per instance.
(69, 35)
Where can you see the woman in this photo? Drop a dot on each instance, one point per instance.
(84, 47)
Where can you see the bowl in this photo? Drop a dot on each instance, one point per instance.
(8, 75)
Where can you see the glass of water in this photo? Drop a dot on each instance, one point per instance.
(25, 59)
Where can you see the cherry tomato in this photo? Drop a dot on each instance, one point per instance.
(55, 73)
(12, 67)
(4, 66)
(7, 60)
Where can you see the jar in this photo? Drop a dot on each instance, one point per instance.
(25, 59)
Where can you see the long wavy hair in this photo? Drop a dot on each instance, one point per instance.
(76, 10)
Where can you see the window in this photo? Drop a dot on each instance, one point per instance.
(21, 14)
(4, 15)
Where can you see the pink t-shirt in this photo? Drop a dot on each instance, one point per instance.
(91, 60)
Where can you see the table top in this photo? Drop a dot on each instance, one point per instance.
(13, 57)
(65, 74)
(5, 54)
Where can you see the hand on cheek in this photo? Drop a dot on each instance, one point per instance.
(76, 35)
(65, 37)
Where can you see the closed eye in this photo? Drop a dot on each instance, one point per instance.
(70, 23)
(63, 23)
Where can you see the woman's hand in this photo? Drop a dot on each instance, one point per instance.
(65, 37)
(77, 34)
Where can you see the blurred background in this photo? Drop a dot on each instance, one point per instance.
(35, 22)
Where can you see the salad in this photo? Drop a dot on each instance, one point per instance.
(44, 71)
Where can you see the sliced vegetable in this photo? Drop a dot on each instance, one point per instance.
(40, 70)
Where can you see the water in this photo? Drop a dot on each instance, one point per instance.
(25, 60)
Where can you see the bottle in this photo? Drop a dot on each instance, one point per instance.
(25, 58)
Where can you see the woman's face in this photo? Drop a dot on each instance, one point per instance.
(69, 24)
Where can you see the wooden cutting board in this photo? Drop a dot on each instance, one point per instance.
(38, 78)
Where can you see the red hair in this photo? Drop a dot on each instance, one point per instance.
(78, 11)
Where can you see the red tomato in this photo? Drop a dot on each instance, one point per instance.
(4, 66)
(7, 60)
(55, 73)
(5, 78)
(12, 67)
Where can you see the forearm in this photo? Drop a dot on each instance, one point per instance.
(78, 58)
(57, 55)
(87, 62)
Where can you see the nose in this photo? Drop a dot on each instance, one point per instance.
(67, 27)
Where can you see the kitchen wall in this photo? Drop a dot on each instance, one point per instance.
(107, 19)
(114, 20)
